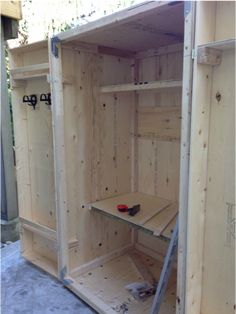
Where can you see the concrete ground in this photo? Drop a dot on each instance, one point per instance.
(25, 289)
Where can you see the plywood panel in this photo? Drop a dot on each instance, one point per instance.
(41, 156)
(147, 25)
(115, 144)
(159, 158)
(210, 262)
(34, 159)
(150, 206)
(33, 139)
(225, 16)
(98, 151)
(162, 123)
(218, 294)
(22, 153)
(107, 282)
(158, 154)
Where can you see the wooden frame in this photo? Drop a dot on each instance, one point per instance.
(133, 112)
(63, 79)
(34, 156)
(203, 295)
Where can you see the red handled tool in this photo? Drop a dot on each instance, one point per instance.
(132, 210)
(122, 208)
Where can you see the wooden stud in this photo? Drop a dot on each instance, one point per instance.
(184, 156)
(59, 161)
(142, 86)
(202, 85)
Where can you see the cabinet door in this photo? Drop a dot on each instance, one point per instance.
(210, 278)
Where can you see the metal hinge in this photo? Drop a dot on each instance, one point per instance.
(54, 41)
(193, 54)
(187, 8)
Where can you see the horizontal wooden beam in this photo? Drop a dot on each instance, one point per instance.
(221, 44)
(44, 231)
(27, 47)
(93, 48)
(116, 52)
(160, 51)
(140, 86)
(30, 71)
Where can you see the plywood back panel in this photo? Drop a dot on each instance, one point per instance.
(159, 127)
(98, 150)
(21, 153)
(33, 142)
(41, 156)
(159, 121)
(35, 57)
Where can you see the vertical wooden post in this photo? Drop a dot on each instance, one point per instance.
(59, 157)
(201, 100)
(184, 155)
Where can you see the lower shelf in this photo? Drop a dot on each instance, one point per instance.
(39, 250)
(103, 286)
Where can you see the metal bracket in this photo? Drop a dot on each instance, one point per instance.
(166, 271)
(54, 41)
(187, 8)
(65, 281)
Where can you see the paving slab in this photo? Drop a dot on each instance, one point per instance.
(26, 289)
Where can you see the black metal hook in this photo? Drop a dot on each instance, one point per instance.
(31, 100)
(46, 98)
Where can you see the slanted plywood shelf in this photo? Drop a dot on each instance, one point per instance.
(154, 85)
(30, 71)
(154, 216)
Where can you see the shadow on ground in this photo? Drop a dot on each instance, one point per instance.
(25, 289)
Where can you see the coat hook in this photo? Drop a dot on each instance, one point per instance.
(46, 98)
(31, 100)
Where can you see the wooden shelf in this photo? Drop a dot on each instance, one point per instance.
(154, 216)
(105, 283)
(39, 245)
(141, 87)
(30, 71)
(221, 45)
